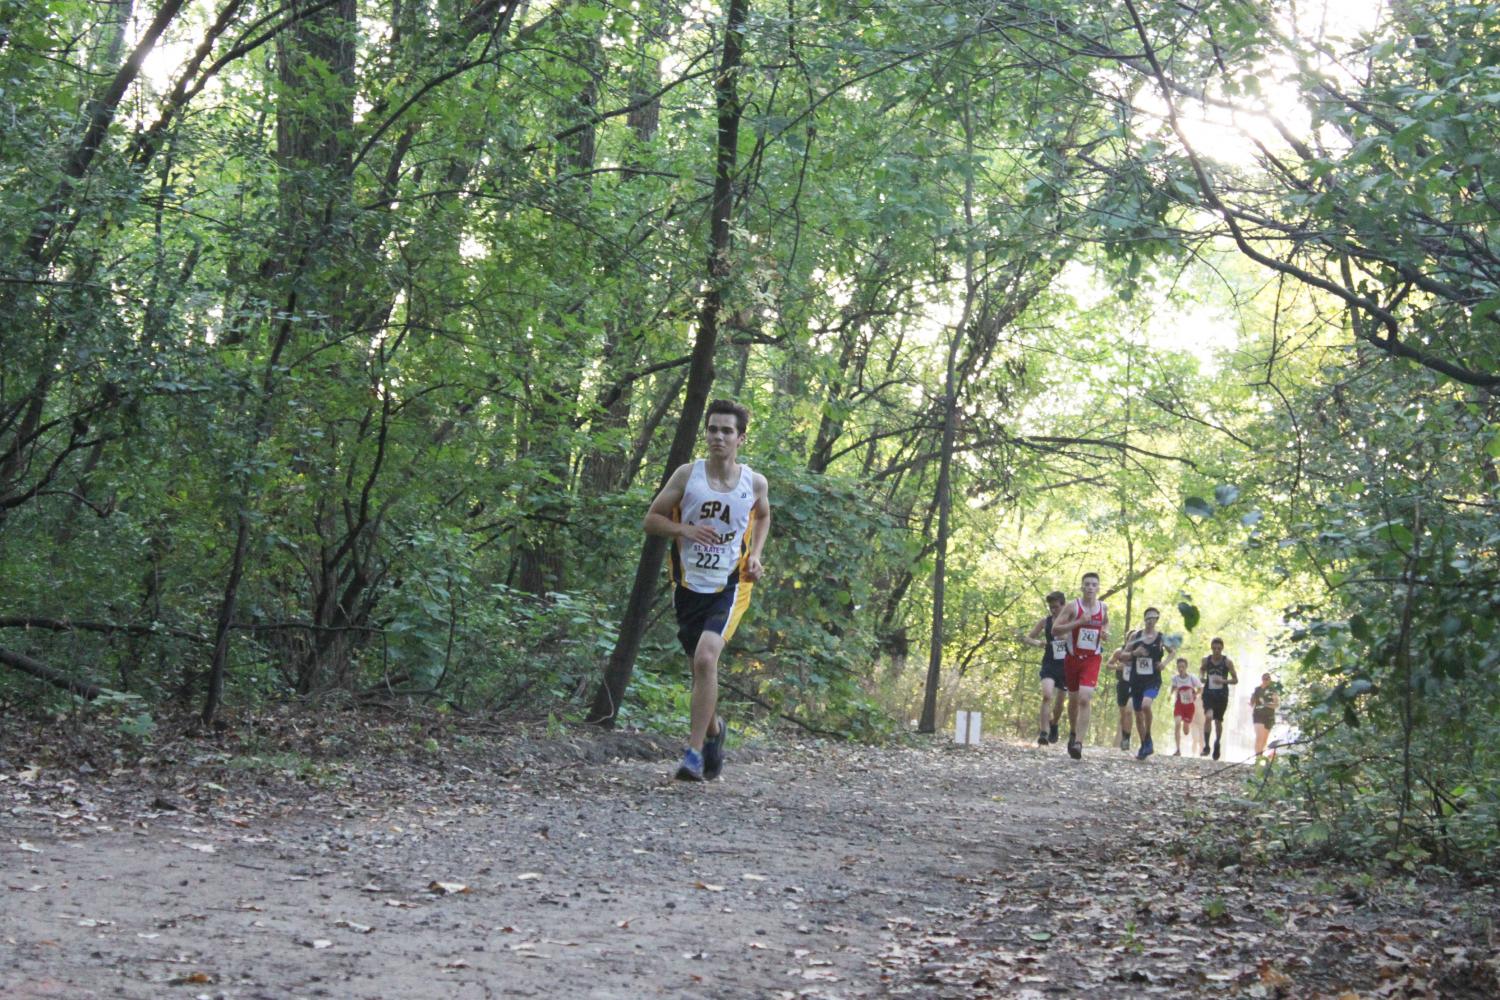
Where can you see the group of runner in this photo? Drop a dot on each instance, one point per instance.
(1073, 636)
(716, 513)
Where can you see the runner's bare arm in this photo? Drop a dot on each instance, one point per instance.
(660, 517)
(759, 530)
(1034, 637)
(1065, 619)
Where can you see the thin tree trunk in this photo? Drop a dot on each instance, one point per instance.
(611, 692)
(218, 666)
(928, 722)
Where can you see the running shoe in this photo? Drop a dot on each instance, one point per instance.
(1176, 753)
(1216, 749)
(1147, 749)
(1041, 739)
(1052, 734)
(1125, 741)
(1075, 749)
(713, 750)
(691, 768)
(1205, 751)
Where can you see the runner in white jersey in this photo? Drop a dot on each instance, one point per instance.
(717, 514)
(1184, 704)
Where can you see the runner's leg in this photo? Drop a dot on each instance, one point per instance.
(1084, 696)
(1143, 720)
(705, 697)
(1049, 692)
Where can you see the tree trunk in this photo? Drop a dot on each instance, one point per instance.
(218, 665)
(606, 467)
(611, 692)
(928, 722)
(39, 670)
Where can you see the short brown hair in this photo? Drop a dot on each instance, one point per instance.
(1056, 596)
(740, 413)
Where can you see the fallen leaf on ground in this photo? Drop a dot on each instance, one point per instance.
(193, 979)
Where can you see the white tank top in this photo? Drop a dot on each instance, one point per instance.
(708, 569)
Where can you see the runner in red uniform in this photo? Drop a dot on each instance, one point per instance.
(1184, 704)
(1085, 623)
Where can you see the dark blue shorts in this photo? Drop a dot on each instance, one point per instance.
(1054, 670)
(1140, 692)
(718, 613)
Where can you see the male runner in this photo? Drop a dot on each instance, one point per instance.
(717, 513)
(1085, 624)
(1122, 699)
(1054, 651)
(1217, 673)
(1264, 702)
(1141, 656)
(1184, 704)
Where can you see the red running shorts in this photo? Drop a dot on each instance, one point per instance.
(1081, 670)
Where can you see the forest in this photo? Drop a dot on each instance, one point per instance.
(344, 343)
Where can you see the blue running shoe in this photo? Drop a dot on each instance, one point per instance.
(1147, 749)
(713, 750)
(691, 768)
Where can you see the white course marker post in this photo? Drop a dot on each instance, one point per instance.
(967, 727)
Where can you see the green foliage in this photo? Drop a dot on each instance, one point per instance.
(1399, 669)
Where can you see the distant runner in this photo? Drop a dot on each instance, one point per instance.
(1054, 651)
(1122, 699)
(1085, 624)
(1264, 702)
(1184, 704)
(717, 513)
(1141, 658)
(1217, 673)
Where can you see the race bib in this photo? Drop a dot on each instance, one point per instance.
(1145, 665)
(1215, 682)
(1088, 638)
(1059, 649)
(1185, 695)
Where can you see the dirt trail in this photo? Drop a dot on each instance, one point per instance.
(805, 873)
